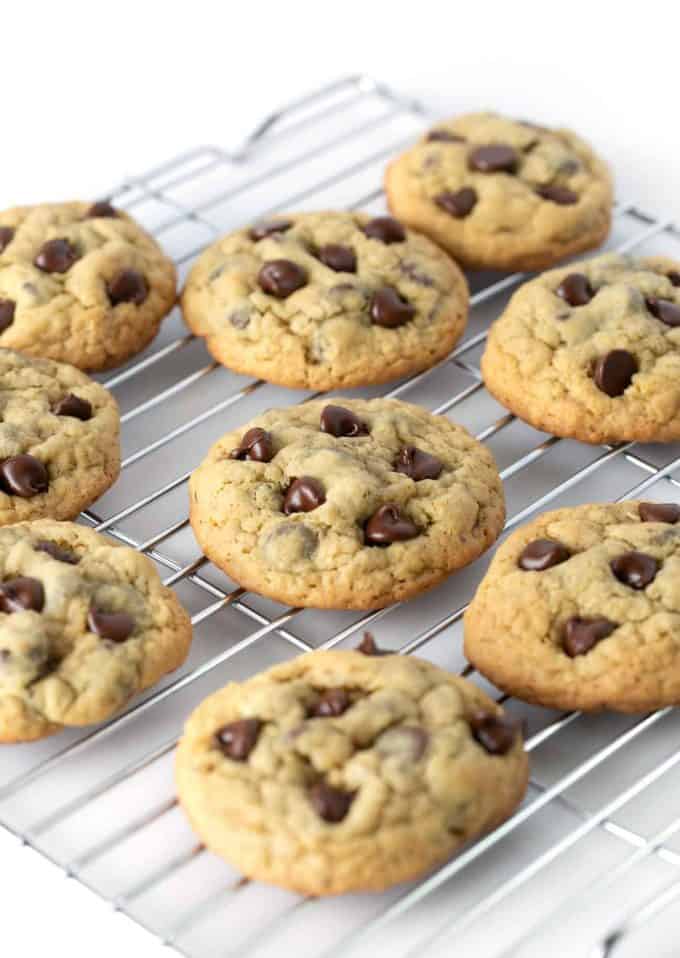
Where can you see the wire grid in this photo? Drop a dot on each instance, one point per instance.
(329, 149)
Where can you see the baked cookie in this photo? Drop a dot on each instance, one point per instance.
(502, 194)
(346, 505)
(339, 772)
(592, 351)
(326, 300)
(580, 609)
(59, 447)
(84, 625)
(80, 282)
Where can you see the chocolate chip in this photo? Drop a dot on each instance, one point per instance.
(281, 277)
(444, 136)
(303, 495)
(338, 421)
(542, 554)
(386, 229)
(614, 371)
(368, 646)
(575, 289)
(458, 204)
(387, 525)
(256, 445)
(268, 228)
(116, 626)
(390, 309)
(580, 635)
(331, 804)
(403, 741)
(75, 407)
(340, 258)
(557, 194)
(17, 595)
(6, 237)
(330, 703)
(659, 512)
(664, 309)
(56, 256)
(674, 275)
(495, 158)
(237, 739)
(288, 543)
(240, 318)
(7, 307)
(495, 733)
(635, 569)
(128, 286)
(52, 549)
(23, 476)
(416, 464)
(411, 271)
(102, 209)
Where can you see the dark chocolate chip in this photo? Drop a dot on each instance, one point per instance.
(74, 407)
(386, 229)
(388, 524)
(416, 464)
(268, 228)
(458, 204)
(237, 739)
(338, 421)
(281, 277)
(368, 646)
(659, 512)
(664, 309)
(102, 209)
(331, 804)
(240, 318)
(557, 194)
(303, 495)
(56, 256)
(635, 569)
(495, 158)
(390, 309)
(116, 626)
(7, 307)
(444, 136)
(674, 275)
(412, 272)
(330, 703)
(580, 635)
(542, 554)
(128, 286)
(52, 549)
(575, 289)
(495, 733)
(23, 476)
(614, 371)
(340, 258)
(256, 445)
(6, 237)
(17, 595)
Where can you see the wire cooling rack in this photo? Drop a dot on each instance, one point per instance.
(588, 865)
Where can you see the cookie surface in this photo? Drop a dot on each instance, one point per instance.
(502, 194)
(81, 283)
(339, 771)
(59, 445)
(580, 609)
(326, 300)
(351, 504)
(592, 351)
(84, 625)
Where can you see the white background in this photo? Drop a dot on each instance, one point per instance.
(93, 92)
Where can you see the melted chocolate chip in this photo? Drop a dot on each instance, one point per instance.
(128, 286)
(614, 372)
(458, 204)
(237, 739)
(386, 229)
(659, 512)
(388, 524)
(408, 742)
(575, 289)
(268, 228)
(6, 237)
(7, 307)
(17, 595)
(303, 495)
(115, 626)
(411, 271)
(256, 445)
(635, 569)
(331, 804)
(52, 549)
(56, 256)
(340, 258)
(495, 733)
(444, 136)
(368, 646)
(557, 194)
(103, 209)
(416, 464)
(580, 635)
(390, 309)
(542, 554)
(75, 407)
(495, 158)
(281, 277)
(338, 421)
(674, 275)
(23, 476)
(664, 309)
(330, 703)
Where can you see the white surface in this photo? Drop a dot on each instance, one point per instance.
(94, 92)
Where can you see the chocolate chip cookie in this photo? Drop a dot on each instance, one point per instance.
(592, 351)
(59, 447)
(501, 193)
(84, 625)
(352, 504)
(340, 772)
(80, 282)
(580, 609)
(326, 300)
